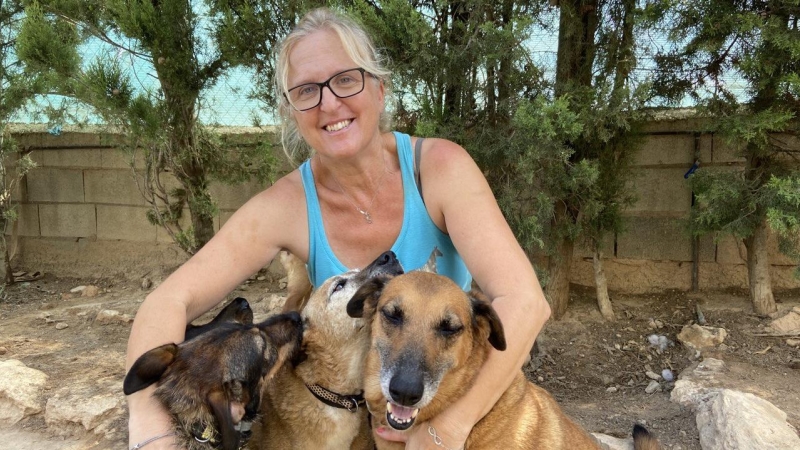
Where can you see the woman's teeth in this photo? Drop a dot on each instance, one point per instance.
(338, 126)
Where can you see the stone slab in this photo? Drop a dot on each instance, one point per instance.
(661, 190)
(654, 239)
(128, 223)
(114, 187)
(55, 185)
(68, 220)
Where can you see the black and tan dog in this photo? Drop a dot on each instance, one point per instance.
(318, 403)
(429, 339)
(211, 384)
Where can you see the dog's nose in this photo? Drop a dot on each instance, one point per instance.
(405, 390)
(387, 259)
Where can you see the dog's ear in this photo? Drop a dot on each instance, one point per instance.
(222, 412)
(487, 317)
(366, 296)
(149, 368)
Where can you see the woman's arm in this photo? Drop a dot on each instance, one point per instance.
(247, 242)
(462, 204)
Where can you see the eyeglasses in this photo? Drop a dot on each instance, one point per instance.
(343, 84)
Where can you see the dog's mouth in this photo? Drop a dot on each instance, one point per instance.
(400, 417)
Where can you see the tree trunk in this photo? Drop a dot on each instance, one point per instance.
(560, 265)
(758, 271)
(601, 285)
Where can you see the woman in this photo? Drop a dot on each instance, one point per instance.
(353, 199)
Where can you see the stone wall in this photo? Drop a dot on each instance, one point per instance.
(82, 213)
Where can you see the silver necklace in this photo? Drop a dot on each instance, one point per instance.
(363, 211)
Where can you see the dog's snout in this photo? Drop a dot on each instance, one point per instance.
(406, 389)
(387, 258)
(386, 263)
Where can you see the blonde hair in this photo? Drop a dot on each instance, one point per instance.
(359, 47)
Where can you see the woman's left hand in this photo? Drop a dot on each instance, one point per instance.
(439, 433)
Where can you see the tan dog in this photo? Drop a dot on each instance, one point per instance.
(429, 339)
(319, 404)
(298, 286)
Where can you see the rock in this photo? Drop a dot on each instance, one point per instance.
(61, 325)
(79, 408)
(111, 316)
(652, 375)
(612, 443)
(788, 324)
(90, 291)
(261, 278)
(146, 284)
(3, 350)
(612, 389)
(77, 289)
(728, 419)
(793, 342)
(654, 386)
(733, 419)
(699, 337)
(20, 391)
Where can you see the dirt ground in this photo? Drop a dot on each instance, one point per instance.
(595, 369)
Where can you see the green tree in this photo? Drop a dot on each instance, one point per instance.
(758, 41)
(588, 184)
(188, 45)
(17, 89)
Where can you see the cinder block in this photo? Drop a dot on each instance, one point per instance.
(659, 239)
(663, 190)
(666, 149)
(55, 185)
(731, 250)
(67, 220)
(27, 223)
(126, 223)
(117, 158)
(724, 151)
(74, 157)
(231, 197)
(28, 140)
(115, 187)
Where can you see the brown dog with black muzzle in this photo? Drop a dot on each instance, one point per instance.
(211, 384)
(429, 340)
(318, 403)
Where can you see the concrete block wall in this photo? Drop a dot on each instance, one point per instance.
(656, 252)
(81, 211)
(83, 199)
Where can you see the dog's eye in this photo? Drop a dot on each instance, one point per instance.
(339, 285)
(393, 316)
(449, 329)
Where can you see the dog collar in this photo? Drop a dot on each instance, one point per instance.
(330, 398)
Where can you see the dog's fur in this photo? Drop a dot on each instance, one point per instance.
(212, 383)
(429, 340)
(334, 346)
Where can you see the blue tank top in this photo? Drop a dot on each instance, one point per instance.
(418, 238)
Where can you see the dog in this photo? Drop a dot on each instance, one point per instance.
(212, 383)
(318, 403)
(429, 340)
(298, 285)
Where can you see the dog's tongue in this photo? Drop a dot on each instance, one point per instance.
(401, 412)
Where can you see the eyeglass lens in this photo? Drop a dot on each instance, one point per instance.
(344, 84)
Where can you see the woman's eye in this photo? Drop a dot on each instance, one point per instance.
(306, 91)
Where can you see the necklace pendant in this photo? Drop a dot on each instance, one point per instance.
(366, 215)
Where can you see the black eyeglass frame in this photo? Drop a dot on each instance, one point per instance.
(326, 83)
